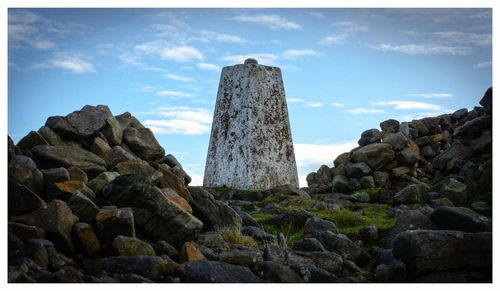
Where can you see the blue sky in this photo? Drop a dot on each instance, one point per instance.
(344, 70)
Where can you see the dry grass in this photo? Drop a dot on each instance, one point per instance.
(233, 235)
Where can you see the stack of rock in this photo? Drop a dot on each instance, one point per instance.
(93, 198)
(448, 156)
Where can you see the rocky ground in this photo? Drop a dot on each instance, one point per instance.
(92, 198)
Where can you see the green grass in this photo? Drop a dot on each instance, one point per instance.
(259, 216)
(222, 189)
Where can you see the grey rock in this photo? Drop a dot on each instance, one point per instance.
(23, 170)
(397, 140)
(375, 155)
(83, 207)
(292, 218)
(357, 170)
(340, 244)
(213, 213)
(315, 226)
(369, 136)
(131, 246)
(340, 184)
(390, 125)
(52, 157)
(279, 273)
(367, 182)
(312, 274)
(158, 217)
(143, 143)
(415, 193)
(99, 182)
(408, 220)
(448, 250)
(57, 220)
(21, 199)
(205, 271)
(308, 245)
(460, 218)
(258, 234)
(87, 239)
(151, 267)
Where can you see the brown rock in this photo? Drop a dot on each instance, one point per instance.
(77, 174)
(173, 181)
(189, 253)
(114, 222)
(57, 219)
(87, 239)
(175, 198)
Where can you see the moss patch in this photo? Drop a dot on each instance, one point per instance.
(349, 222)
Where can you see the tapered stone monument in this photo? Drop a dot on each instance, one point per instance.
(251, 142)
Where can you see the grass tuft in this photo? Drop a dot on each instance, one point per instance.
(233, 235)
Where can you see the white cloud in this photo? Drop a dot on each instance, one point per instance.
(409, 105)
(432, 95)
(363, 111)
(469, 38)
(333, 39)
(222, 37)
(310, 157)
(483, 65)
(178, 78)
(74, 63)
(293, 53)
(314, 104)
(181, 54)
(294, 100)
(27, 29)
(262, 58)
(273, 21)
(181, 120)
(336, 104)
(304, 103)
(423, 49)
(208, 67)
(177, 94)
(350, 26)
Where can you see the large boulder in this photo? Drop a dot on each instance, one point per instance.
(83, 207)
(278, 273)
(293, 218)
(426, 251)
(258, 234)
(328, 261)
(315, 226)
(153, 212)
(112, 222)
(205, 271)
(447, 159)
(369, 136)
(21, 199)
(87, 239)
(143, 143)
(357, 170)
(53, 157)
(460, 218)
(173, 180)
(151, 267)
(23, 170)
(99, 118)
(408, 220)
(411, 194)
(29, 141)
(375, 155)
(138, 167)
(131, 246)
(213, 213)
(455, 191)
(397, 140)
(342, 245)
(57, 220)
(340, 184)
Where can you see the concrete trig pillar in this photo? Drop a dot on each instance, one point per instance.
(251, 142)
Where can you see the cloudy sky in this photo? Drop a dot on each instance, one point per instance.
(344, 70)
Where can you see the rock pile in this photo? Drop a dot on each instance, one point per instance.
(92, 197)
(443, 159)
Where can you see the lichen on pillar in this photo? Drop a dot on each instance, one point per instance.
(251, 142)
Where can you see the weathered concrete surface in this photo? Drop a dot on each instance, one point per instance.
(251, 142)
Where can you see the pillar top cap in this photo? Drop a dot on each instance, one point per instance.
(251, 61)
